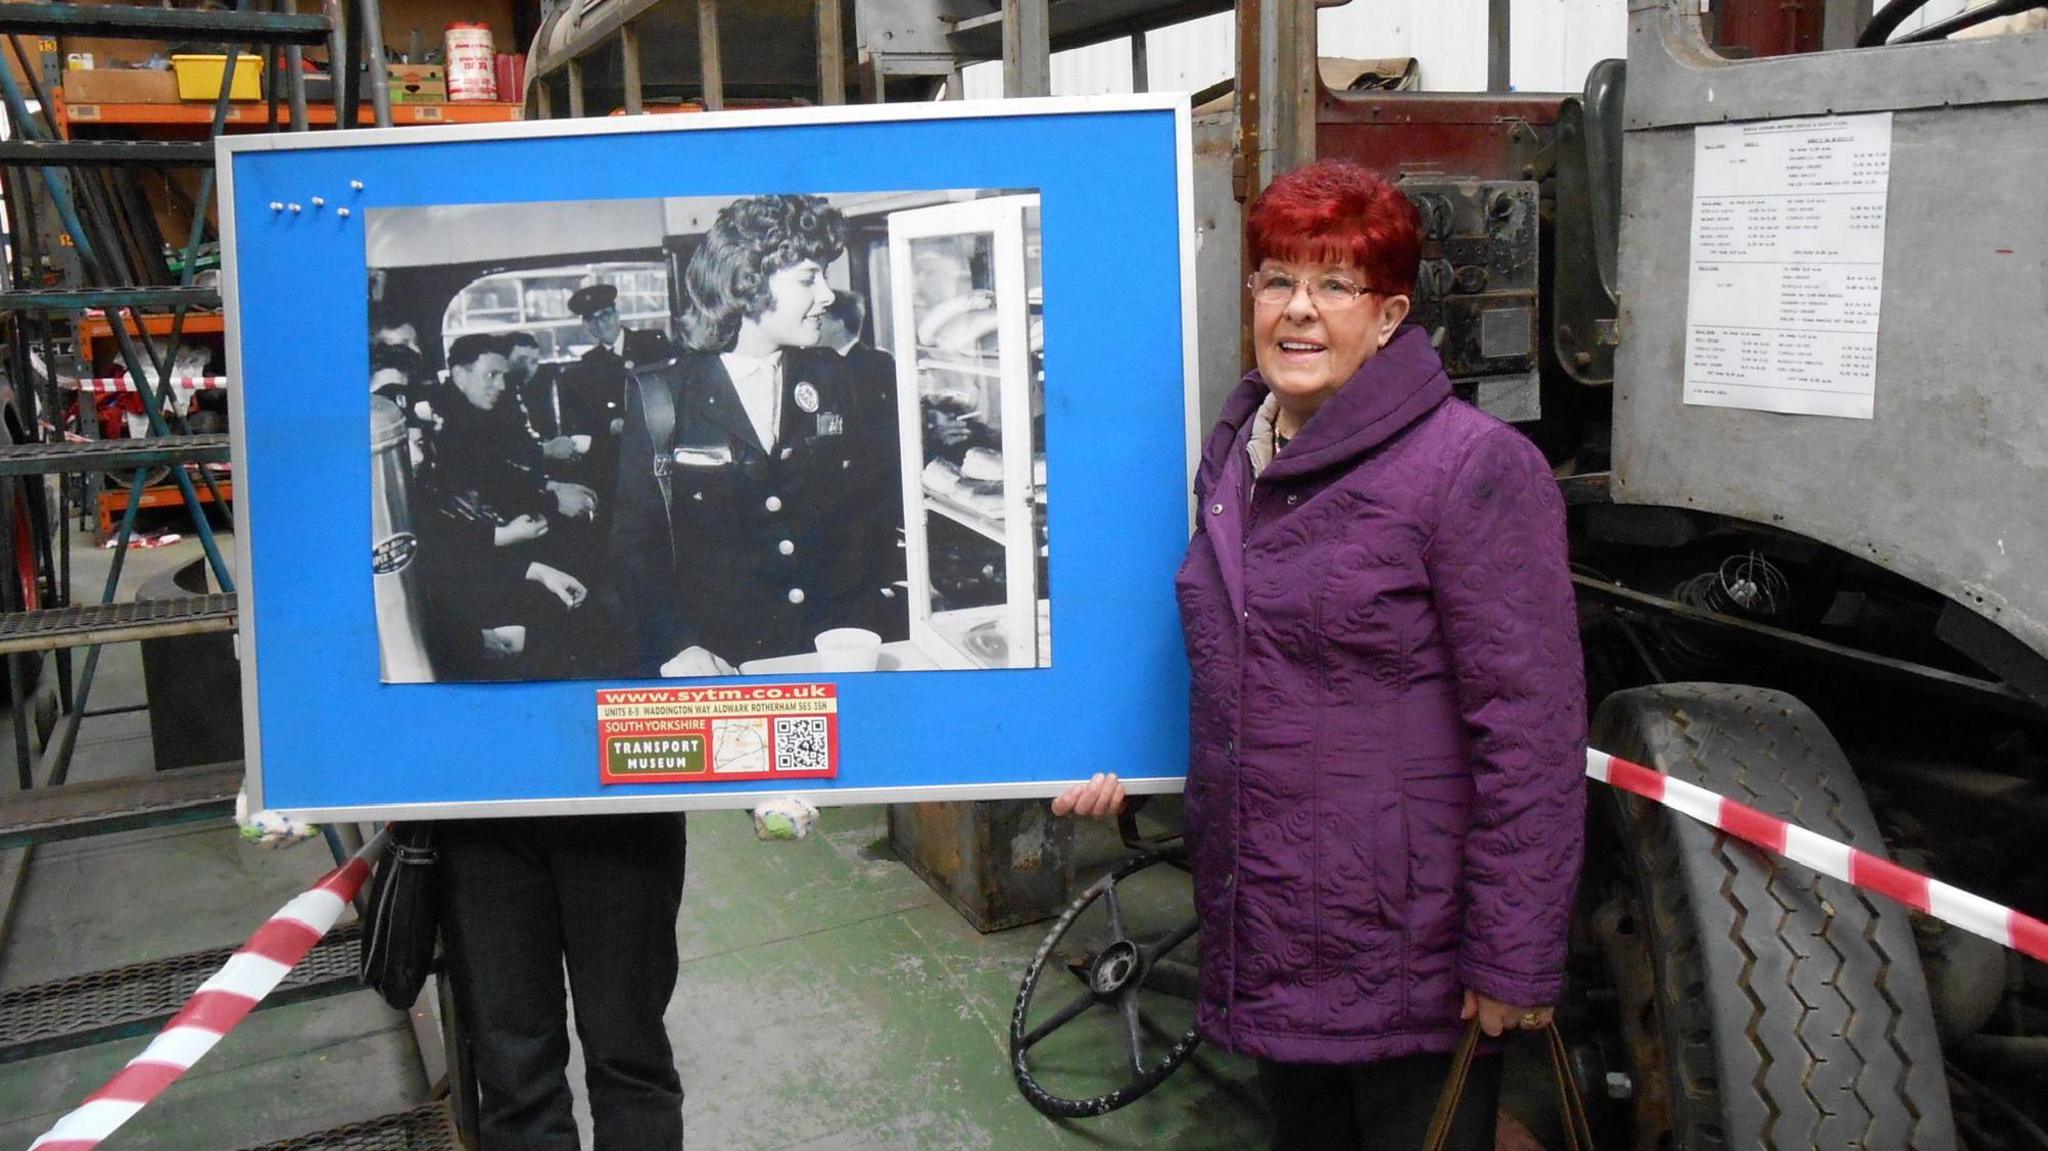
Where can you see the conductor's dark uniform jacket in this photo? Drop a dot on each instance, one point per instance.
(592, 392)
(749, 549)
(482, 478)
(584, 398)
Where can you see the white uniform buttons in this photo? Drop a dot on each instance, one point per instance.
(786, 547)
(796, 595)
(773, 503)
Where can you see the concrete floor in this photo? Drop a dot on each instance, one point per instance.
(828, 998)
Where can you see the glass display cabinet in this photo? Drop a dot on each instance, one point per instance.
(970, 384)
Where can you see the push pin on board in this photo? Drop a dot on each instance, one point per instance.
(342, 212)
(296, 209)
(277, 205)
(319, 201)
(357, 185)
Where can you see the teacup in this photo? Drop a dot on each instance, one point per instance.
(848, 649)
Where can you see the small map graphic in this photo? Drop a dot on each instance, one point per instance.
(739, 746)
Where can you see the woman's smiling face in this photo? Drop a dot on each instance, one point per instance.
(1307, 348)
(797, 298)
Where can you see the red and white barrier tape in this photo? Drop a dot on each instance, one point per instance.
(111, 385)
(278, 946)
(214, 1010)
(1858, 868)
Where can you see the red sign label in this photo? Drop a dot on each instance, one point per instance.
(718, 734)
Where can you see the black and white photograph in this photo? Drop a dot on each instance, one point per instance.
(778, 434)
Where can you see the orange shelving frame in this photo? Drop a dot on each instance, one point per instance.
(98, 327)
(113, 501)
(256, 115)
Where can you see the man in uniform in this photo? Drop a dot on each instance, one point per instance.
(502, 553)
(873, 371)
(595, 402)
(593, 393)
(732, 546)
(538, 399)
(482, 445)
(628, 348)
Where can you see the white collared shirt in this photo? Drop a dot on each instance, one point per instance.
(759, 383)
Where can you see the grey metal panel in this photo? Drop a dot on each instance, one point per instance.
(1946, 485)
(922, 27)
(1842, 21)
(1674, 78)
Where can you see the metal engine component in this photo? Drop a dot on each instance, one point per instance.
(1476, 294)
(1746, 586)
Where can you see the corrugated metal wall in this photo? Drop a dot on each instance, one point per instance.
(1554, 43)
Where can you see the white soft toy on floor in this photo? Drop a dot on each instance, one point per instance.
(269, 828)
(786, 817)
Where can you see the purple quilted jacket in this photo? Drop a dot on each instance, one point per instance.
(1386, 792)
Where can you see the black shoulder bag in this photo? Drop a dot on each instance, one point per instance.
(403, 917)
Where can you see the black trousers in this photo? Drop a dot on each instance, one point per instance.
(1384, 1106)
(519, 897)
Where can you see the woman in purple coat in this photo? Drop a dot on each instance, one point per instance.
(1386, 788)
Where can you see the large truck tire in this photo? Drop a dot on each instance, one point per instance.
(1793, 1010)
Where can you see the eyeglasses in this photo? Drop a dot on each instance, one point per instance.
(1326, 291)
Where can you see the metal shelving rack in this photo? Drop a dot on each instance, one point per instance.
(130, 282)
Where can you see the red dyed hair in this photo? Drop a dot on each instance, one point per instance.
(1335, 211)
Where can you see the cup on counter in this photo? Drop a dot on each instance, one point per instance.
(848, 649)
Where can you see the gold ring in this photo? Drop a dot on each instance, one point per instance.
(1532, 1018)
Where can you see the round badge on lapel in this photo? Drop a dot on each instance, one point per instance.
(806, 396)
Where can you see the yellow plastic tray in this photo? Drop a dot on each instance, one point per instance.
(199, 77)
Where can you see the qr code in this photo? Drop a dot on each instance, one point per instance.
(802, 744)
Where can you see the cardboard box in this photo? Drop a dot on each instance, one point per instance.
(418, 83)
(422, 93)
(119, 86)
(403, 75)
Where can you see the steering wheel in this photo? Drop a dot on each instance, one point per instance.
(1129, 983)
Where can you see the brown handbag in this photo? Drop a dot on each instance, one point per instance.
(1578, 1129)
